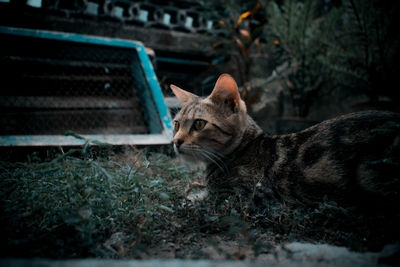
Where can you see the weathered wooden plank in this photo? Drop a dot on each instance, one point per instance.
(82, 121)
(68, 89)
(67, 102)
(90, 78)
(62, 140)
(65, 62)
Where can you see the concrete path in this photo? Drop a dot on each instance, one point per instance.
(290, 255)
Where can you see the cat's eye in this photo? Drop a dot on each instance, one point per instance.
(199, 124)
(176, 126)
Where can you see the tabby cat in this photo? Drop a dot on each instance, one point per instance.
(351, 159)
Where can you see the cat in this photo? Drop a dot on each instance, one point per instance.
(352, 159)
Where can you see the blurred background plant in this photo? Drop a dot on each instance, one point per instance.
(294, 32)
(313, 48)
(241, 34)
(363, 49)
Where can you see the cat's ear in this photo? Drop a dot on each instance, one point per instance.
(183, 96)
(226, 92)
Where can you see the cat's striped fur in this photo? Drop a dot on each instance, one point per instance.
(350, 159)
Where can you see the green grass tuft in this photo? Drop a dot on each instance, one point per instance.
(74, 202)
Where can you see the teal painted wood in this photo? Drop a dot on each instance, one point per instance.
(155, 89)
(146, 97)
(73, 37)
(156, 111)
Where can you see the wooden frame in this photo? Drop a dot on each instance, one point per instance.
(155, 109)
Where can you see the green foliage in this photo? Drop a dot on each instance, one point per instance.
(241, 33)
(363, 49)
(74, 203)
(354, 45)
(295, 31)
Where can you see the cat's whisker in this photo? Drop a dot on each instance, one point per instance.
(216, 154)
(211, 156)
(192, 151)
(215, 159)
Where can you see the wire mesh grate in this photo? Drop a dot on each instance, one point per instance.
(53, 86)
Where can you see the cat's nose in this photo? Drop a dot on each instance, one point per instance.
(178, 142)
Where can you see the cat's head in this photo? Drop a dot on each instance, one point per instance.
(210, 128)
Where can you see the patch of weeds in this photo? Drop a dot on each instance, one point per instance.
(69, 206)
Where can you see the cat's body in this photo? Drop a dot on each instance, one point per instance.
(342, 159)
(352, 159)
